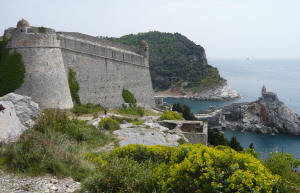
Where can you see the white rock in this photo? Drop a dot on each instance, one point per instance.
(25, 108)
(94, 122)
(10, 126)
(153, 135)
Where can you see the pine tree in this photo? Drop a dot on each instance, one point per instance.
(234, 144)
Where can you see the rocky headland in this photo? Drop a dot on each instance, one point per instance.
(221, 92)
(266, 115)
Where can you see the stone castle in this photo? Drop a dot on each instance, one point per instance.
(103, 68)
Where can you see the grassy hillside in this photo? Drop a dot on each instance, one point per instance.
(175, 61)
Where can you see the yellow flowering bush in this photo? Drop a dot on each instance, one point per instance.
(170, 115)
(198, 168)
(187, 168)
(139, 153)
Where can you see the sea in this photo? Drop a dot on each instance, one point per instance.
(247, 76)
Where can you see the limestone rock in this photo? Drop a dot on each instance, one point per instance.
(146, 134)
(219, 93)
(10, 126)
(25, 108)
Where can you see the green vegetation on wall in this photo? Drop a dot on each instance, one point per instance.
(128, 96)
(174, 59)
(74, 86)
(12, 70)
(42, 29)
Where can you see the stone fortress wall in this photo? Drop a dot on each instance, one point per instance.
(103, 68)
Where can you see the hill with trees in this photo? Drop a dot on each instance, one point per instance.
(175, 61)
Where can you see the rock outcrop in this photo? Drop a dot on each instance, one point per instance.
(146, 134)
(266, 115)
(25, 108)
(10, 126)
(221, 92)
(19, 113)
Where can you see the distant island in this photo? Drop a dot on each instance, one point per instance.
(179, 67)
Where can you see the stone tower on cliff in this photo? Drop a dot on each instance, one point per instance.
(103, 68)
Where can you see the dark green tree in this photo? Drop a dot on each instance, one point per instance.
(251, 146)
(216, 138)
(235, 144)
(184, 110)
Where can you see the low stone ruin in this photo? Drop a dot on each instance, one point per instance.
(193, 131)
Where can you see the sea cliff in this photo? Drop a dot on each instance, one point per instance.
(266, 115)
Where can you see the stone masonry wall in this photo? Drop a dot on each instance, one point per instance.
(103, 68)
(103, 71)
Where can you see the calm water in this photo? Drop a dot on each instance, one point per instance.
(247, 77)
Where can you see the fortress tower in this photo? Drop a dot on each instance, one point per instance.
(103, 68)
(45, 78)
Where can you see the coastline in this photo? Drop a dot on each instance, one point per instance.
(218, 93)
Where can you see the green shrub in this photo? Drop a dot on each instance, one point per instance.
(74, 86)
(235, 144)
(285, 165)
(12, 70)
(122, 175)
(216, 138)
(109, 124)
(36, 154)
(141, 153)
(128, 120)
(170, 115)
(187, 168)
(185, 110)
(181, 141)
(55, 146)
(81, 109)
(198, 168)
(132, 110)
(128, 96)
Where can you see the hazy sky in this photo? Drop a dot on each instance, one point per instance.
(225, 28)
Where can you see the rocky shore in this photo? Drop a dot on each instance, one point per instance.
(219, 93)
(266, 115)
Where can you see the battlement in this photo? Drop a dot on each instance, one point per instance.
(100, 41)
(103, 68)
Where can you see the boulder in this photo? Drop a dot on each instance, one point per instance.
(25, 108)
(10, 125)
(20, 111)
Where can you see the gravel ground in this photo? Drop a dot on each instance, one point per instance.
(12, 183)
